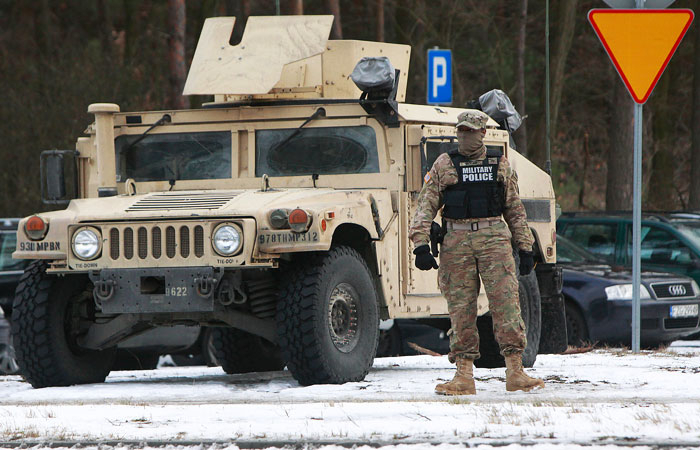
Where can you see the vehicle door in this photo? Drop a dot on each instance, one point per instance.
(596, 237)
(434, 141)
(663, 251)
(10, 269)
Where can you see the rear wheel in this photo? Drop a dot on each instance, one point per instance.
(50, 315)
(328, 318)
(530, 310)
(576, 328)
(240, 352)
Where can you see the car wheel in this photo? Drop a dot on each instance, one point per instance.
(49, 315)
(531, 312)
(238, 351)
(576, 328)
(328, 318)
(389, 342)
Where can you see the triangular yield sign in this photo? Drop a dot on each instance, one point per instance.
(640, 43)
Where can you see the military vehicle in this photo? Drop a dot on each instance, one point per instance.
(278, 214)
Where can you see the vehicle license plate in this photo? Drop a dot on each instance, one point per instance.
(684, 310)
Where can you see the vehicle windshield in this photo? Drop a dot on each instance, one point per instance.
(174, 156)
(322, 151)
(572, 253)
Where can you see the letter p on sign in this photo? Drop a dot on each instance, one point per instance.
(439, 77)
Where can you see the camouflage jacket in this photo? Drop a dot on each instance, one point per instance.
(443, 174)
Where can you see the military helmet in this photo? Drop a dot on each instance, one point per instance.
(474, 119)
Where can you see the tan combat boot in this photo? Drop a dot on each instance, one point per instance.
(516, 378)
(463, 381)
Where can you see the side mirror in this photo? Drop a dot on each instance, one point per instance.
(54, 166)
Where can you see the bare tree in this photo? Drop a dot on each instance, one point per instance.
(522, 131)
(694, 200)
(380, 20)
(618, 194)
(176, 59)
(563, 37)
(333, 6)
(295, 7)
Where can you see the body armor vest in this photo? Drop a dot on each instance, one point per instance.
(477, 193)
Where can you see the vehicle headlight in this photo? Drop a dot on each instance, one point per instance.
(624, 292)
(227, 240)
(86, 243)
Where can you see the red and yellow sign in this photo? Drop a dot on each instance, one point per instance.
(640, 43)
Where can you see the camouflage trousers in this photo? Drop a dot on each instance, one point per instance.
(463, 257)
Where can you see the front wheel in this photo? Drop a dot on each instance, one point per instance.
(49, 316)
(530, 310)
(576, 328)
(328, 318)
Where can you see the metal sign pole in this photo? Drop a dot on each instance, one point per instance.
(637, 227)
(637, 220)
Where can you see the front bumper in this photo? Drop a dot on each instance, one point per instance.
(656, 324)
(166, 290)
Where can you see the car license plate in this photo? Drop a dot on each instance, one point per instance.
(684, 310)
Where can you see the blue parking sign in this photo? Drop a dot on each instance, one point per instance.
(439, 77)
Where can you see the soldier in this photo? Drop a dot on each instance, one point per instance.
(476, 190)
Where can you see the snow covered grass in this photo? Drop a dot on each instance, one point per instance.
(609, 396)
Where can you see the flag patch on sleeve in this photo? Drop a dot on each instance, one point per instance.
(426, 178)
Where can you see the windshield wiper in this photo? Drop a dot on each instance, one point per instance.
(320, 112)
(163, 120)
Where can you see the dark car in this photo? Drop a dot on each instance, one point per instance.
(10, 269)
(8, 364)
(599, 301)
(670, 241)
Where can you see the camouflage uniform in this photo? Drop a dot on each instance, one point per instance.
(466, 254)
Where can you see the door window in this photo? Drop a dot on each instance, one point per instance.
(8, 242)
(660, 247)
(597, 238)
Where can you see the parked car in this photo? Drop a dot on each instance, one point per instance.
(598, 300)
(10, 269)
(670, 241)
(8, 364)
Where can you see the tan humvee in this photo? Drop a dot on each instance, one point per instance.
(278, 213)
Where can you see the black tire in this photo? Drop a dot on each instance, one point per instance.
(238, 351)
(328, 318)
(127, 359)
(43, 318)
(576, 328)
(530, 309)
(389, 342)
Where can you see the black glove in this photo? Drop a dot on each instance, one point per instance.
(424, 260)
(527, 262)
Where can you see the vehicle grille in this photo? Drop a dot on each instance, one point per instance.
(673, 290)
(686, 322)
(183, 241)
(164, 201)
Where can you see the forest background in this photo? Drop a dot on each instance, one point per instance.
(57, 57)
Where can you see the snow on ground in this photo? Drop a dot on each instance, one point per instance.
(603, 397)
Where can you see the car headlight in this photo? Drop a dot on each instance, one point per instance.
(227, 240)
(624, 292)
(86, 243)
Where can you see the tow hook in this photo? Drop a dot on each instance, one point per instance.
(205, 286)
(104, 289)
